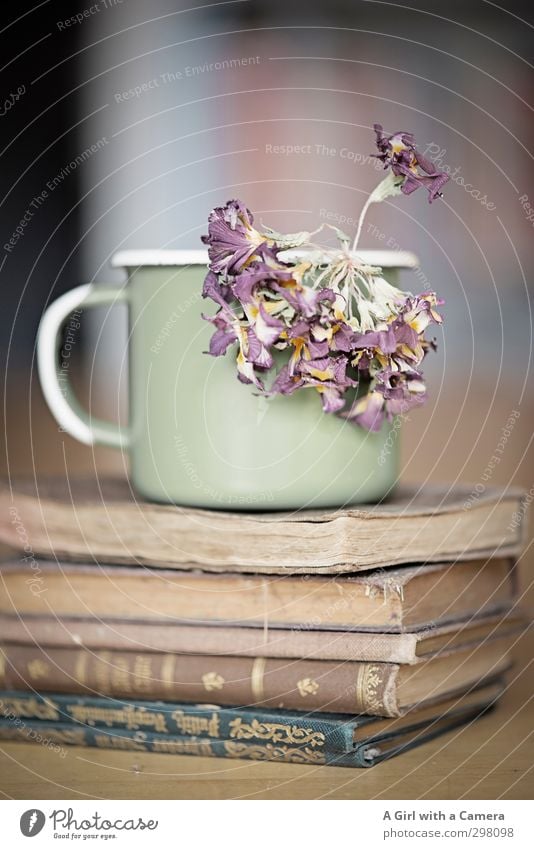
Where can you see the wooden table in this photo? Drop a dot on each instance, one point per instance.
(492, 759)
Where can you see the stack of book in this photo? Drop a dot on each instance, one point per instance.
(339, 637)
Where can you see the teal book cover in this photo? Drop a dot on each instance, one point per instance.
(57, 734)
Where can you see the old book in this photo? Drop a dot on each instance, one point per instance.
(299, 642)
(399, 599)
(103, 521)
(362, 755)
(326, 731)
(378, 689)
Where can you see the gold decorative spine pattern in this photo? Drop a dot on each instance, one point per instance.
(307, 687)
(275, 733)
(269, 752)
(212, 681)
(369, 689)
(38, 669)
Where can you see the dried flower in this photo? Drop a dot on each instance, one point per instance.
(399, 153)
(344, 331)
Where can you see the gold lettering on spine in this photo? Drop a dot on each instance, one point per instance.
(167, 671)
(142, 673)
(102, 671)
(46, 737)
(122, 680)
(257, 678)
(193, 724)
(30, 708)
(183, 747)
(71, 737)
(105, 741)
(131, 717)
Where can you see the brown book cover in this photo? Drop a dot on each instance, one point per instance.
(378, 689)
(399, 599)
(103, 521)
(254, 642)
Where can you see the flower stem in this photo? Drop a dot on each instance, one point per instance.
(390, 186)
(363, 213)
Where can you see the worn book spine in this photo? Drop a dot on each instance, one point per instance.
(349, 687)
(319, 731)
(418, 525)
(219, 639)
(59, 734)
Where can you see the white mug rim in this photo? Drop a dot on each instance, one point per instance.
(143, 258)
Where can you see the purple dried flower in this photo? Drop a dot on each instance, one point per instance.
(399, 153)
(232, 240)
(340, 325)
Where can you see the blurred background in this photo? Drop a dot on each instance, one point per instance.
(124, 123)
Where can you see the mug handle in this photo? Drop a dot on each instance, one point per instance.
(57, 390)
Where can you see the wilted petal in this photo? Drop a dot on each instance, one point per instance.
(245, 371)
(368, 412)
(254, 275)
(318, 349)
(343, 337)
(267, 327)
(257, 353)
(231, 239)
(331, 398)
(383, 340)
(399, 153)
(220, 341)
(218, 292)
(285, 383)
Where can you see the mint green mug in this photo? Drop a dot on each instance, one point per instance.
(196, 435)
